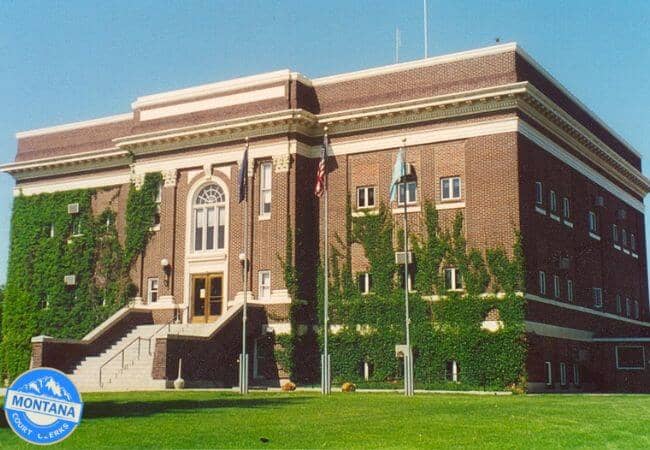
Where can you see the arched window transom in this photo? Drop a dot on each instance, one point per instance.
(209, 219)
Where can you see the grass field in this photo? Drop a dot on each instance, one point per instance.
(195, 419)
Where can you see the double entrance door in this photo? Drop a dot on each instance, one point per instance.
(207, 297)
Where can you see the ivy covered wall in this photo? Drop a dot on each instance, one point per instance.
(445, 326)
(46, 244)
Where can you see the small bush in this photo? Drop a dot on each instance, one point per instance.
(289, 386)
(348, 387)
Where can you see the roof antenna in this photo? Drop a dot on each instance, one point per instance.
(398, 43)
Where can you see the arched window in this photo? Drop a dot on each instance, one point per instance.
(209, 218)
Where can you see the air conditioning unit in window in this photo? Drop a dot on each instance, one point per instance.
(600, 201)
(399, 257)
(409, 169)
(70, 280)
(621, 214)
(73, 208)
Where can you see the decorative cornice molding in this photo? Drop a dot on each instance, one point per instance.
(281, 163)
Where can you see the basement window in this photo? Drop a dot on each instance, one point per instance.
(539, 193)
(556, 286)
(619, 304)
(598, 297)
(563, 381)
(630, 357)
(549, 373)
(541, 279)
(576, 375)
(569, 290)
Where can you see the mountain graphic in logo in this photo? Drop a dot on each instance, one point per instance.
(47, 387)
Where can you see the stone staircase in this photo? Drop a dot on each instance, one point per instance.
(125, 366)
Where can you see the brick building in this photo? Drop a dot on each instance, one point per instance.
(488, 132)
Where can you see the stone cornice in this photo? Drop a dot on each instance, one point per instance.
(520, 96)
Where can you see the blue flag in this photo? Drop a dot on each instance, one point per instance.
(398, 173)
(243, 176)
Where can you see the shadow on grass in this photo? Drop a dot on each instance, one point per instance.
(101, 409)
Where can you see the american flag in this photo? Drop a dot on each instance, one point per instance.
(320, 173)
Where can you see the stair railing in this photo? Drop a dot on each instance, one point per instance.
(121, 353)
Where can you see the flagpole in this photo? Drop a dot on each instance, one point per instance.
(408, 358)
(326, 379)
(243, 358)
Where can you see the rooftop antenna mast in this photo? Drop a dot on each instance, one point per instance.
(398, 43)
(426, 30)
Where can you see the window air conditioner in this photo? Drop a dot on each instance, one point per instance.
(73, 208)
(399, 257)
(70, 280)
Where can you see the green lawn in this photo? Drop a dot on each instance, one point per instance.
(307, 420)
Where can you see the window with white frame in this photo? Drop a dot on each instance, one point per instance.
(576, 375)
(264, 286)
(450, 188)
(569, 290)
(365, 197)
(548, 369)
(266, 171)
(593, 222)
(152, 290)
(411, 277)
(553, 202)
(541, 279)
(452, 370)
(563, 374)
(624, 237)
(157, 200)
(453, 279)
(209, 219)
(636, 309)
(628, 307)
(619, 304)
(630, 357)
(410, 194)
(615, 233)
(556, 286)
(597, 294)
(539, 193)
(364, 282)
(566, 208)
(632, 242)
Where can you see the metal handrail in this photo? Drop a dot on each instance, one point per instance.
(139, 339)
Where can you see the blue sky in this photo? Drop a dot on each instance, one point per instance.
(76, 60)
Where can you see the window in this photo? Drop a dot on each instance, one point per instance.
(411, 193)
(628, 307)
(593, 222)
(566, 208)
(264, 285)
(76, 227)
(365, 197)
(598, 297)
(364, 281)
(158, 200)
(539, 193)
(152, 290)
(411, 277)
(619, 304)
(569, 290)
(614, 233)
(453, 279)
(549, 373)
(562, 374)
(541, 278)
(636, 309)
(553, 201)
(630, 358)
(556, 286)
(209, 216)
(451, 371)
(51, 230)
(576, 375)
(632, 241)
(624, 237)
(450, 188)
(266, 169)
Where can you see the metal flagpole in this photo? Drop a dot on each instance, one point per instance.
(326, 379)
(243, 357)
(426, 30)
(408, 357)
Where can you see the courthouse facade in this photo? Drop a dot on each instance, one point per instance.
(488, 133)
